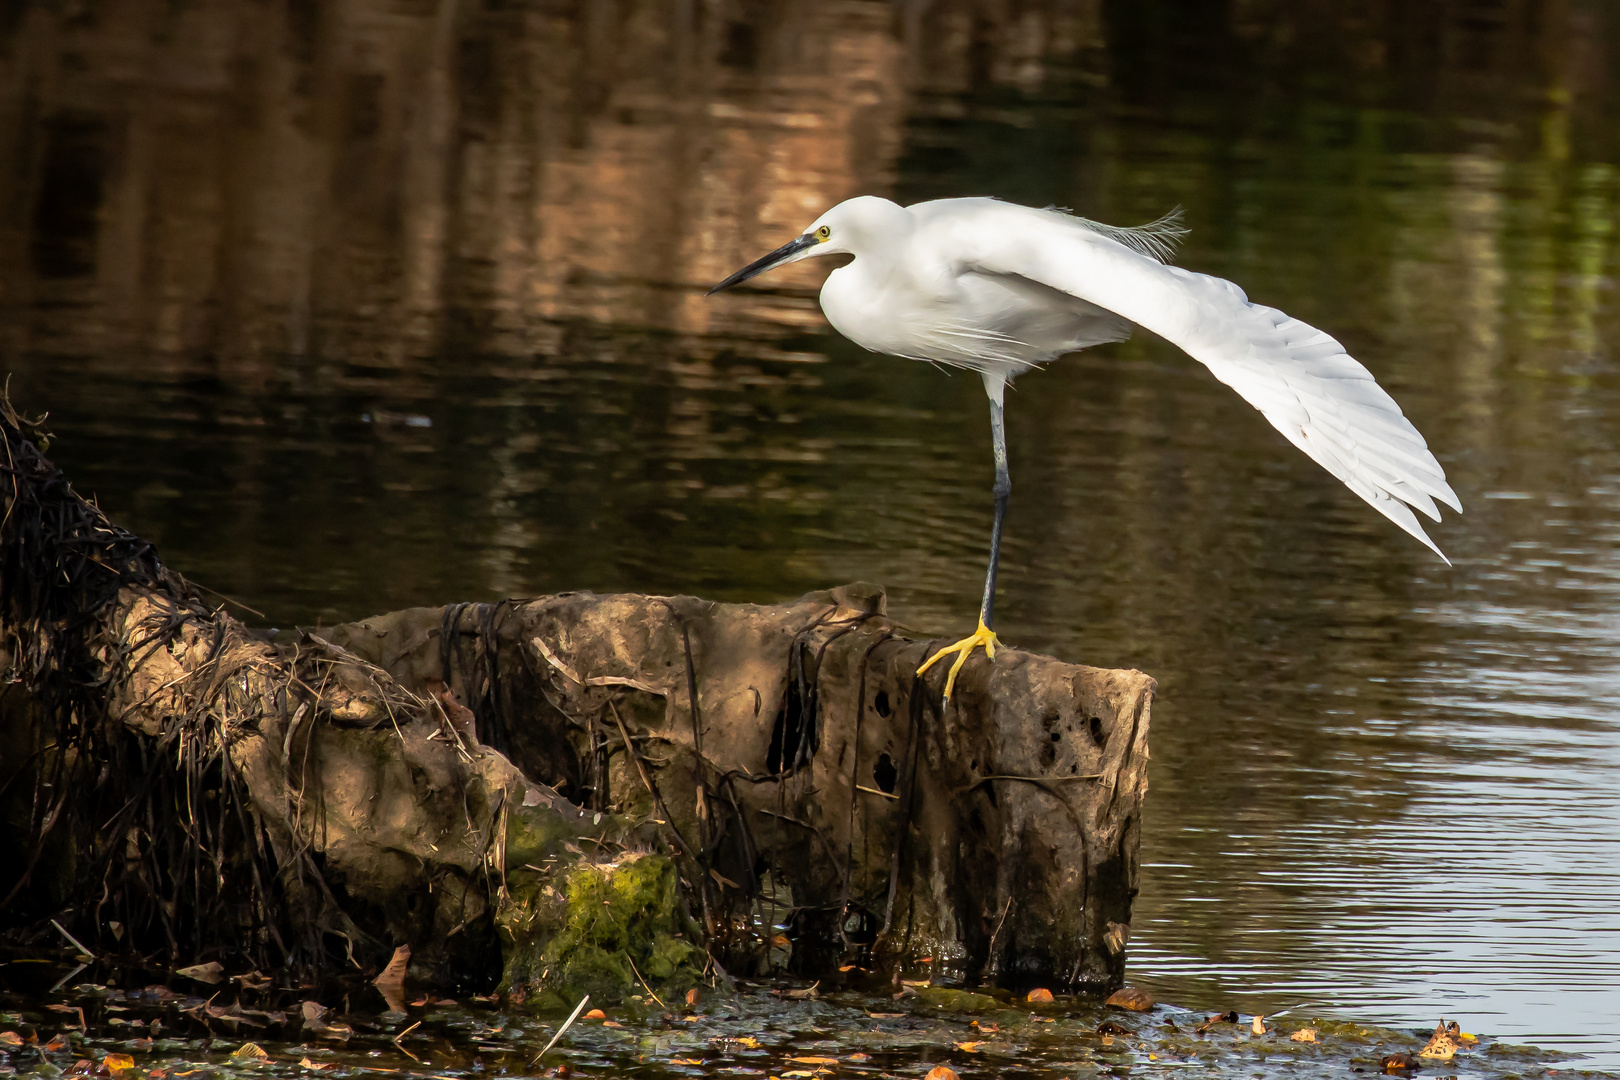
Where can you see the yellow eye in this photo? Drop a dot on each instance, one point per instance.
(823, 233)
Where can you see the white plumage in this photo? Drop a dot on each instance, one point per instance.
(1000, 288)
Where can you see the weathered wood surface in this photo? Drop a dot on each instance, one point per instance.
(712, 771)
(997, 834)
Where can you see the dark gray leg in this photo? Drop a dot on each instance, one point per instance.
(1002, 489)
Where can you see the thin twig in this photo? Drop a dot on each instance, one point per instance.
(875, 791)
(75, 941)
(643, 983)
(231, 600)
(566, 1025)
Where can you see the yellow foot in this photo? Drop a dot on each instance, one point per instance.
(964, 648)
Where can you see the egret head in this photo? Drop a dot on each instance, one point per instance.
(853, 227)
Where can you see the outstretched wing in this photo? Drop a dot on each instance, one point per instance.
(1301, 379)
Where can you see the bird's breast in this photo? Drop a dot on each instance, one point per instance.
(861, 306)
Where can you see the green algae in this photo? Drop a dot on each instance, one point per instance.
(606, 929)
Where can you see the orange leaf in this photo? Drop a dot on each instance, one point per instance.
(1131, 998)
(1039, 994)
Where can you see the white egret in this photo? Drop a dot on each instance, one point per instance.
(999, 288)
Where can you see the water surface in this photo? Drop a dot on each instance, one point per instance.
(365, 305)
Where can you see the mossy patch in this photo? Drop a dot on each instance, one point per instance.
(595, 927)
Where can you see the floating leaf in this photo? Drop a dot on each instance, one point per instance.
(1258, 1026)
(969, 1047)
(10, 1038)
(596, 1014)
(694, 996)
(250, 1051)
(612, 1023)
(813, 1060)
(1441, 1046)
(1397, 1063)
(118, 1062)
(1304, 1035)
(1108, 1027)
(1039, 995)
(941, 1072)
(1129, 997)
(210, 972)
(317, 1066)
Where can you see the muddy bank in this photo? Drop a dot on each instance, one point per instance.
(564, 793)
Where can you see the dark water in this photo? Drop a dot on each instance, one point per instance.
(367, 304)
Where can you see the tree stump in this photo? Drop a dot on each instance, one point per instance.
(474, 780)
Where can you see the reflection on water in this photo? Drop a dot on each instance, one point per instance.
(360, 305)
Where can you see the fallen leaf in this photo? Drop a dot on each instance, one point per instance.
(1040, 994)
(157, 1074)
(316, 1066)
(1219, 1018)
(813, 1060)
(10, 1038)
(1462, 1037)
(118, 1062)
(612, 1023)
(980, 1025)
(1441, 1045)
(596, 1014)
(1397, 1063)
(1108, 1027)
(941, 1072)
(58, 1043)
(750, 1042)
(685, 1061)
(250, 1050)
(969, 1047)
(206, 973)
(885, 1016)
(1304, 1035)
(1258, 1026)
(860, 1057)
(694, 997)
(395, 971)
(1129, 997)
(805, 994)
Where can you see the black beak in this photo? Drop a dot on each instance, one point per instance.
(775, 258)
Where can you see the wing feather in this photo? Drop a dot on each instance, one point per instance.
(1302, 380)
